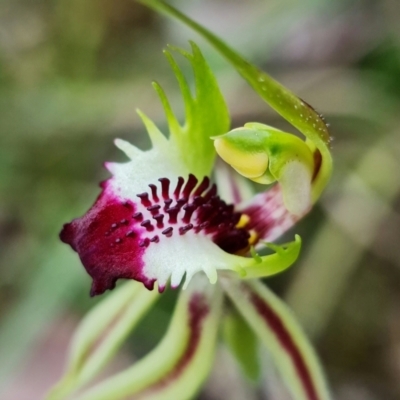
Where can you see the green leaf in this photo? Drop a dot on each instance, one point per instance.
(243, 343)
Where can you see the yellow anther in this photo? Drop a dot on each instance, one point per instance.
(250, 165)
(243, 221)
(253, 238)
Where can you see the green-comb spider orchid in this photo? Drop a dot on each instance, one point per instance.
(160, 220)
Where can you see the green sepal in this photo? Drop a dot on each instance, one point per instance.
(296, 111)
(278, 330)
(206, 112)
(243, 344)
(101, 333)
(179, 364)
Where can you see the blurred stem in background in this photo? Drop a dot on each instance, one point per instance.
(80, 27)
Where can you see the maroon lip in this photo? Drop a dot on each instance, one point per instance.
(112, 237)
(108, 244)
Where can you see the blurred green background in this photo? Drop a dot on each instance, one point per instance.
(72, 73)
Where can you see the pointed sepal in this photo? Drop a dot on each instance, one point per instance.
(243, 343)
(100, 335)
(278, 330)
(177, 367)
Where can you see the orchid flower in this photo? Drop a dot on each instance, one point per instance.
(168, 217)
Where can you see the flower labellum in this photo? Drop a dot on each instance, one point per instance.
(141, 238)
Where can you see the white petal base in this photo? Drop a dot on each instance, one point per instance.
(190, 253)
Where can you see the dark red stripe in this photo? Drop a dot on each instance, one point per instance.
(276, 324)
(198, 310)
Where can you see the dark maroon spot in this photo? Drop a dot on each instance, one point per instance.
(167, 202)
(275, 323)
(186, 228)
(155, 239)
(178, 187)
(154, 192)
(118, 240)
(168, 232)
(159, 218)
(144, 197)
(205, 211)
(231, 240)
(164, 188)
(173, 214)
(205, 183)
(154, 209)
(123, 221)
(190, 185)
(114, 226)
(210, 193)
(144, 242)
(130, 234)
(147, 224)
(181, 202)
(138, 216)
(198, 201)
(203, 225)
(189, 209)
